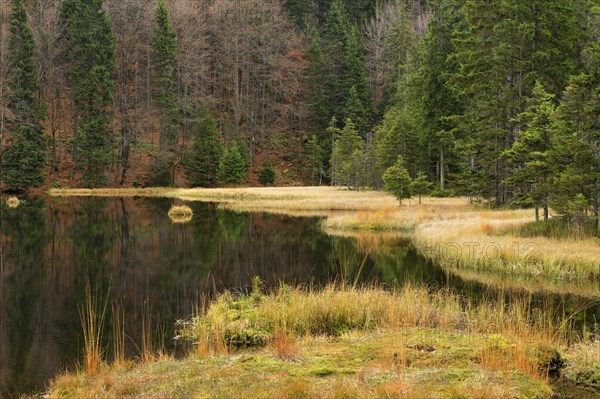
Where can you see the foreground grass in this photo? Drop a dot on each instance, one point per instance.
(447, 230)
(344, 342)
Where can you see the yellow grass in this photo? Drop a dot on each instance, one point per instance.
(449, 230)
(181, 214)
(347, 342)
(13, 202)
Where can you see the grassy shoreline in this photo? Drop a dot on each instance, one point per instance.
(354, 342)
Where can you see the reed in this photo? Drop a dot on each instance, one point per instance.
(92, 315)
(118, 328)
(241, 321)
(363, 341)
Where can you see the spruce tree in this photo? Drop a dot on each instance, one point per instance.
(317, 97)
(203, 160)
(91, 54)
(503, 49)
(314, 160)
(397, 181)
(266, 176)
(25, 158)
(529, 155)
(576, 151)
(343, 165)
(355, 110)
(420, 185)
(164, 57)
(233, 168)
(439, 101)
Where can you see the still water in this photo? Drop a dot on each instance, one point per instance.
(133, 254)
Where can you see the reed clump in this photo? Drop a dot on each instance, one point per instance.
(368, 342)
(13, 202)
(255, 320)
(181, 214)
(92, 314)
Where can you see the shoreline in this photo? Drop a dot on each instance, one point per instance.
(354, 342)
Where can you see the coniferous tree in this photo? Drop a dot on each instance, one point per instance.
(266, 176)
(317, 97)
(503, 49)
(529, 155)
(314, 159)
(164, 58)
(347, 142)
(397, 181)
(24, 160)
(355, 109)
(439, 102)
(203, 160)
(91, 54)
(576, 152)
(300, 11)
(420, 185)
(233, 168)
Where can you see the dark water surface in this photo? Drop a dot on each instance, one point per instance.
(131, 252)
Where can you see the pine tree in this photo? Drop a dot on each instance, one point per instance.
(397, 181)
(505, 47)
(25, 158)
(439, 102)
(203, 160)
(576, 152)
(343, 166)
(420, 185)
(266, 175)
(233, 168)
(164, 57)
(355, 110)
(530, 153)
(92, 56)
(314, 160)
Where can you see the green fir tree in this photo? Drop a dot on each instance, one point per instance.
(164, 95)
(203, 160)
(91, 52)
(24, 160)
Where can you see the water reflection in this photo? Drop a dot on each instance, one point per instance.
(130, 250)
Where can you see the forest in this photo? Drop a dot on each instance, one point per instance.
(495, 100)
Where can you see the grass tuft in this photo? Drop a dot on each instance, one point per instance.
(181, 214)
(92, 315)
(13, 202)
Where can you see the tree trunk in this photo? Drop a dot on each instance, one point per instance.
(537, 213)
(442, 176)
(545, 213)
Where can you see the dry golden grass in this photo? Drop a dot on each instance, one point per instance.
(285, 345)
(181, 214)
(354, 342)
(13, 202)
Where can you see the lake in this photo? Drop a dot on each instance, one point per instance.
(157, 271)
